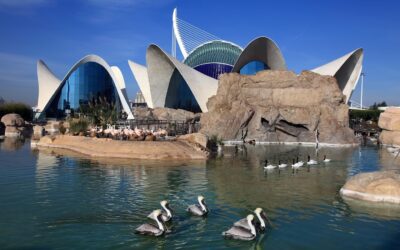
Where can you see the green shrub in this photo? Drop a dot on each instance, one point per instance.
(22, 109)
(366, 115)
(77, 126)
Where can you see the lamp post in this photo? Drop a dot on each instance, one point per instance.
(362, 89)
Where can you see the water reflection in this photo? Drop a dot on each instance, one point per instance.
(279, 188)
(12, 143)
(62, 199)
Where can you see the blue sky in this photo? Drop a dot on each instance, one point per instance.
(309, 33)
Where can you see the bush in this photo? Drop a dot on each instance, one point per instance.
(78, 126)
(366, 115)
(18, 108)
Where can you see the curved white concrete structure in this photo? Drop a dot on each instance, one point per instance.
(141, 75)
(161, 67)
(261, 49)
(346, 69)
(49, 85)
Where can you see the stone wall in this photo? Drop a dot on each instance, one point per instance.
(389, 122)
(278, 106)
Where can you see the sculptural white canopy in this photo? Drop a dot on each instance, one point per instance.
(156, 79)
(346, 69)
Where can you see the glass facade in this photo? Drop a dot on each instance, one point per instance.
(214, 69)
(214, 58)
(179, 95)
(88, 82)
(253, 67)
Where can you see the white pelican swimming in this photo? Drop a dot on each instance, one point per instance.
(240, 233)
(166, 214)
(198, 209)
(260, 225)
(150, 229)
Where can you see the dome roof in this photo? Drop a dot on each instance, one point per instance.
(214, 52)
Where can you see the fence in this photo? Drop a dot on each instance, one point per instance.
(172, 127)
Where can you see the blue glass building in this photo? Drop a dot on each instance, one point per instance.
(179, 95)
(214, 58)
(252, 67)
(90, 81)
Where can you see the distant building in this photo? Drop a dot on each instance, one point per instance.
(168, 82)
(139, 101)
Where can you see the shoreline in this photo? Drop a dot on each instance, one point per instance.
(138, 150)
(307, 144)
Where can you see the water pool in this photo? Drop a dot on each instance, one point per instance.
(58, 200)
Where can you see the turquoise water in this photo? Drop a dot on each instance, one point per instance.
(58, 200)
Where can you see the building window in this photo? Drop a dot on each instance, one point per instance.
(253, 67)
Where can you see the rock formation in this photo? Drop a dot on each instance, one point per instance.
(14, 125)
(381, 186)
(278, 106)
(167, 114)
(389, 122)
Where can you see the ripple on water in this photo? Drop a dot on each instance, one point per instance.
(73, 202)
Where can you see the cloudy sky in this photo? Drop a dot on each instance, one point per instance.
(309, 33)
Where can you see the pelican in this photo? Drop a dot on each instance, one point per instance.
(268, 166)
(283, 165)
(150, 229)
(166, 214)
(262, 217)
(326, 160)
(239, 233)
(311, 161)
(198, 209)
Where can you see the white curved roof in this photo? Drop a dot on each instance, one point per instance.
(159, 72)
(261, 49)
(49, 90)
(346, 69)
(142, 79)
(48, 84)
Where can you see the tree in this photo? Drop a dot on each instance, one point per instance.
(2, 101)
(375, 106)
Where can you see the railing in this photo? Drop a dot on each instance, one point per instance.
(172, 127)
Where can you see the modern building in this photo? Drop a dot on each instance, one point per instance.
(187, 84)
(90, 79)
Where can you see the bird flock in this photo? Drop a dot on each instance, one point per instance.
(244, 229)
(296, 164)
(126, 133)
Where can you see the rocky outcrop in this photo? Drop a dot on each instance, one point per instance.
(167, 114)
(278, 106)
(382, 186)
(14, 125)
(196, 138)
(389, 122)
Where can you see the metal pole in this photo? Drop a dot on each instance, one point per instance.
(362, 89)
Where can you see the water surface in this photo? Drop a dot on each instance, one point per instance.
(59, 200)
